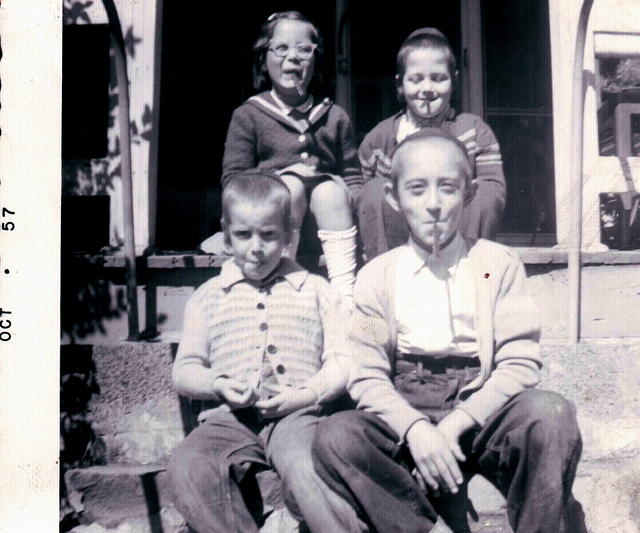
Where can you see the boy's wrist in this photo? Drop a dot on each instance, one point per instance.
(217, 385)
(412, 428)
(456, 423)
(311, 395)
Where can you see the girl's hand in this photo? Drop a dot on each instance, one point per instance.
(235, 393)
(436, 457)
(286, 402)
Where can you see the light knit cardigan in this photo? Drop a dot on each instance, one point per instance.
(229, 324)
(507, 327)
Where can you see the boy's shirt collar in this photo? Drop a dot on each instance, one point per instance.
(447, 257)
(287, 109)
(289, 270)
(405, 125)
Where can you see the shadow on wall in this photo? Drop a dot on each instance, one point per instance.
(90, 141)
(86, 300)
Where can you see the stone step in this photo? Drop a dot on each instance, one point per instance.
(111, 494)
(140, 495)
(135, 499)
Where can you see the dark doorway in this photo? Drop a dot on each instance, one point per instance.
(206, 74)
(376, 36)
(518, 107)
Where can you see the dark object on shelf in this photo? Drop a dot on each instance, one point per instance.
(620, 220)
(85, 223)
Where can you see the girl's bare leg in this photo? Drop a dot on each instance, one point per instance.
(298, 210)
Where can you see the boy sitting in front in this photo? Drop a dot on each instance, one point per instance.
(258, 346)
(445, 355)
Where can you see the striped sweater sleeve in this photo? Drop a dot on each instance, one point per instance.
(192, 375)
(331, 380)
(488, 159)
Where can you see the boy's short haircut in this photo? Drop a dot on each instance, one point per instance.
(425, 38)
(257, 188)
(261, 46)
(430, 133)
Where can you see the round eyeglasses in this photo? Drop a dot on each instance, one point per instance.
(303, 50)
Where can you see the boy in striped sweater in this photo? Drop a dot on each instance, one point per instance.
(425, 79)
(258, 347)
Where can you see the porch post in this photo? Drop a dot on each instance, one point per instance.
(575, 233)
(127, 185)
(344, 88)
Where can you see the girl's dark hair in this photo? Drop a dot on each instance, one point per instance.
(261, 46)
(429, 38)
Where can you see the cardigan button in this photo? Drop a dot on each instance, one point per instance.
(304, 155)
(280, 369)
(302, 138)
(264, 326)
(260, 305)
(272, 349)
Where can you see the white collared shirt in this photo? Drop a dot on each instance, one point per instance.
(286, 109)
(435, 301)
(405, 128)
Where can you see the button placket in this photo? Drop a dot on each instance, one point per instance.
(263, 327)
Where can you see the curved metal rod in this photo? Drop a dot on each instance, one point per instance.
(574, 258)
(120, 60)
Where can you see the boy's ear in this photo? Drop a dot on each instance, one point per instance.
(399, 88)
(225, 231)
(391, 196)
(288, 234)
(470, 191)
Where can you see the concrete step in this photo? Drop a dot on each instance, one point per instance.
(139, 495)
(138, 416)
(135, 499)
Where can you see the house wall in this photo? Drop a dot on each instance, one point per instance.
(600, 174)
(141, 23)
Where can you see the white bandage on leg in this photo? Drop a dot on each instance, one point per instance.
(291, 250)
(340, 254)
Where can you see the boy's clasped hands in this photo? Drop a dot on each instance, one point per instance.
(436, 452)
(239, 395)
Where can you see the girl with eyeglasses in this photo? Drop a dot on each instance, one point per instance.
(306, 141)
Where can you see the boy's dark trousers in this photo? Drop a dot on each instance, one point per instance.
(529, 450)
(212, 473)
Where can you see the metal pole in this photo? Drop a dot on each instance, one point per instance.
(120, 61)
(575, 234)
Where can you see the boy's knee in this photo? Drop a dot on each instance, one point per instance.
(298, 471)
(184, 473)
(338, 438)
(551, 414)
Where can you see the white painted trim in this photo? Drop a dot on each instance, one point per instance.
(615, 44)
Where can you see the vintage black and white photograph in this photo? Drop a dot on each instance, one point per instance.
(339, 266)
